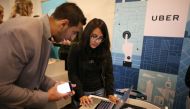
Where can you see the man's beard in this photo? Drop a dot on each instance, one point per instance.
(58, 38)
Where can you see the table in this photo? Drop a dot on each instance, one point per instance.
(142, 103)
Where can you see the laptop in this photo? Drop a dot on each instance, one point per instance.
(104, 103)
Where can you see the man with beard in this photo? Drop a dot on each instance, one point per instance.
(25, 48)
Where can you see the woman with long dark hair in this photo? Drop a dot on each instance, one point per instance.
(90, 63)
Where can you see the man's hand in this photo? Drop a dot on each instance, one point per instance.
(66, 42)
(54, 95)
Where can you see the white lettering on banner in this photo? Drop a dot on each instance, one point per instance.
(165, 18)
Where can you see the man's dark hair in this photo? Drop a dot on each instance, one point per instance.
(71, 12)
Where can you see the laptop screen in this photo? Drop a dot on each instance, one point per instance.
(124, 98)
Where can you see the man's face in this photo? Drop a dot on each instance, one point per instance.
(66, 32)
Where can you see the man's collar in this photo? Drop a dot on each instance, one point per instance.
(46, 26)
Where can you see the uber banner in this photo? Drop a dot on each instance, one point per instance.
(166, 18)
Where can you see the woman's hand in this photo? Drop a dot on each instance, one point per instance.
(85, 100)
(113, 99)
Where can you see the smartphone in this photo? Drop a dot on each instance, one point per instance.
(64, 88)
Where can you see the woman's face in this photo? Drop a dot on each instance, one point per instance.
(96, 38)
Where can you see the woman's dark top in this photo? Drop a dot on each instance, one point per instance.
(187, 79)
(88, 72)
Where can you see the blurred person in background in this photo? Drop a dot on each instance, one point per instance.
(22, 8)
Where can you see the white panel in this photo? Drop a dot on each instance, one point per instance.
(168, 23)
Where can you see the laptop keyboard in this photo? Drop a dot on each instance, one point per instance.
(104, 105)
